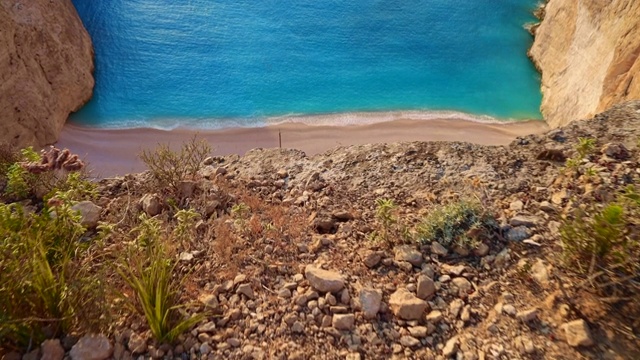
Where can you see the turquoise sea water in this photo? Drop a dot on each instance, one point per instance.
(217, 63)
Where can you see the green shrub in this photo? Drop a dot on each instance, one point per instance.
(21, 183)
(604, 237)
(45, 283)
(452, 223)
(169, 167)
(186, 224)
(585, 146)
(149, 271)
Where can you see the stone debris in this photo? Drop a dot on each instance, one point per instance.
(92, 347)
(89, 212)
(577, 333)
(407, 306)
(370, 302)
(408, 254)
(323, 280)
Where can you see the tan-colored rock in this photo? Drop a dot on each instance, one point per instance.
(47, 69)
(323, 280)
(343, 321)
(406, 306)
(426, 287)
(370, 301)
(409, 254)
(589, 56)
(577, 333)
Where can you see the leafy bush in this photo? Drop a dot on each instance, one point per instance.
(148, 269)
(186, 224)
(169, 167)
(603, 237)
(453, 223)
(45, 283)
(20, 183)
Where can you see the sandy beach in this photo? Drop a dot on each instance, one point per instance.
(115, 152)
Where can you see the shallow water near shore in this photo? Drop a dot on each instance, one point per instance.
(222, 63)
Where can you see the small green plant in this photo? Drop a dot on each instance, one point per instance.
(19, 181)
(240, 213)
(75, 187)
(186, 224)
(149, 271)
(452, 223)
(572, 163)
(590, 172)
(148, 230)
(585, 146)
(45, 283)
(598, 237)
(169, 167)
(385, 214)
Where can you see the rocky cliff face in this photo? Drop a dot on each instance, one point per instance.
(46, 65)
(589, 56)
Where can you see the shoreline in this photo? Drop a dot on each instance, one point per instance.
(114, 152)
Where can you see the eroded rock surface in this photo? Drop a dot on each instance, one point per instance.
(589, 56)
(46, 69)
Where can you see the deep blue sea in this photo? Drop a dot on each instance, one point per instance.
(218, 63)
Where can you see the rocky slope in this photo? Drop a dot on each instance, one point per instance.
(299, 273)
(589, 55)
(46, 65)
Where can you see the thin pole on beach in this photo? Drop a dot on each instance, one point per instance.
(280, 138)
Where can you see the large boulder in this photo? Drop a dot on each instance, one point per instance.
(46, 69)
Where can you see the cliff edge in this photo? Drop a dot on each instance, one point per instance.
(46, 66)
(589, 55)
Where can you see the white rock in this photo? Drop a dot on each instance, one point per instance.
(343, 321)
(136, 344)
(516, 205)
(509, 310)
(426, 287)
(450, 347)
(370, 301)
(209, 300)
(409, 254)
(418, 331)
(406, 306)
(435, 316)
(409, 341)
(246, 290)
(527, 315)
(525, 220)
(577, 333)
(151, 204)
(454, 307)
(438, 249)
(92, 347)
(540, 273)
(323, 280)
(461, 286)
(89, 212)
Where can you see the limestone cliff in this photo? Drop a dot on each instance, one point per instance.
(46, 66)
(588, 54)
